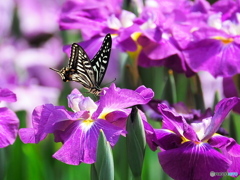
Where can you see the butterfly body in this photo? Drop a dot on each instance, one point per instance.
(87, 72)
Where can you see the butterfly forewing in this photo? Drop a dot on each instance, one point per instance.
(100, 60)
(84, 71)
(74, 55)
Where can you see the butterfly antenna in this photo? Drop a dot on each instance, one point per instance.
(54, 69)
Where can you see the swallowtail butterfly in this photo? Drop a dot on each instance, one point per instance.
(88, 73)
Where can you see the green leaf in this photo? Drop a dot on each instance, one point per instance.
(136, 143)
(104, 164)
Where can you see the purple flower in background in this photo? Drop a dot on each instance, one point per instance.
(213, 47)
(95, 19)
(43, 19)
(25, 61)
(88, 16)
(156, 27)
(25, 70)
(6, 9)
(187, 150)
(190, 115)
(230, 90)
(211, 87)
(9, 122)
(79, 130)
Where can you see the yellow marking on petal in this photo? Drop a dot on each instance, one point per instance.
(216, 134)
(187, 140)
(135, 54)
(88, 121)
(224, 40)
(103, 115)
(184, 140)
(86, 124)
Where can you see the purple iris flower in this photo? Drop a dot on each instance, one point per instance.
(9, 122)
(190, 115)
(78, 131)
(213, 47)
(157, 26)
(88, 16)
(188, 149)
(95, 19)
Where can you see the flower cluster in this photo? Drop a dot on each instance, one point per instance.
(187, 36)
(29, 50)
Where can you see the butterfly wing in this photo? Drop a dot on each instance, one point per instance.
(100, 60)
(72, 62)
(80, 63)
(89, 73)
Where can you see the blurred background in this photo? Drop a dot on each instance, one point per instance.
(30, 43)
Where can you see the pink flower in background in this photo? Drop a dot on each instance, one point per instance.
(39, 16)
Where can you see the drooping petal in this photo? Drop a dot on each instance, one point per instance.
(118, 118)
(150, 136)
(218, 58)
(8, 127)
(7, 95)
(46, 119)
(88, 16)
(193, 161)
(176, 123)
(221, 111)
(80, 143)
(167, 139)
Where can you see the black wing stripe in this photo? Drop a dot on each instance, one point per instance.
(100, 60)
(74, 56)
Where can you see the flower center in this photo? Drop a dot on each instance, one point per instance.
(186, 140)
(86, 124)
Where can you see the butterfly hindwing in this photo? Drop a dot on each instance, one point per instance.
(101, 59)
